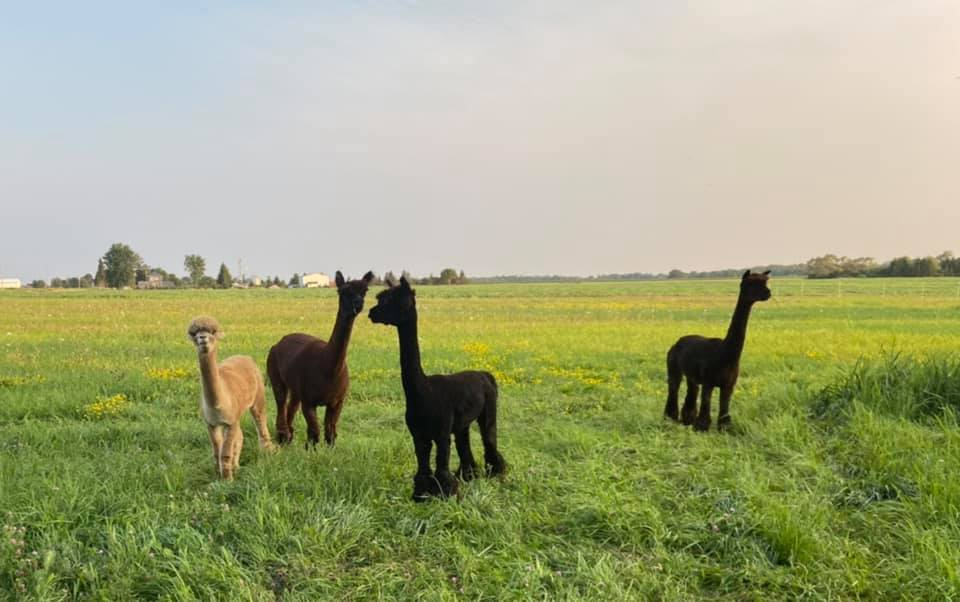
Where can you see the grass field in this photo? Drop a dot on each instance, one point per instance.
(838, 480)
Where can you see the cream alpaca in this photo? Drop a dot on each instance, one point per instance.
(229, 388)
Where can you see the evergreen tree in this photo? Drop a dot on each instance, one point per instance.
(224, 279)
(100, 280)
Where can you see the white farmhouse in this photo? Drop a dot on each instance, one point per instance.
(314, 280)
(10, 283)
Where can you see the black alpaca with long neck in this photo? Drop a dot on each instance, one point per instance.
(440, 404)
(710, 363)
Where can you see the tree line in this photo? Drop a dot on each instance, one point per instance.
(122, 267)
(832, 266)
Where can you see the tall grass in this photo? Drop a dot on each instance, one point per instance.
(896, 384)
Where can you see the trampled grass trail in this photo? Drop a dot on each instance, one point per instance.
(838, 480)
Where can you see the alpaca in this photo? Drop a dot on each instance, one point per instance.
(710, 363)
(305, 371)
(229, 388)
(440, 404)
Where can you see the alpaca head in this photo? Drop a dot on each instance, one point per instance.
(396, 305)
(754, 286)
(204, 332)
(352, 293)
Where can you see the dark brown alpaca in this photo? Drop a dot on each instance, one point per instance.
(710, 363)
(307, 372)
(440, 404)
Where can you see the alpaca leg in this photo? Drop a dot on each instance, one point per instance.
(281, 395)
(703, 418)
(495, 464)
(723, 420)
(689, 411)
(313, 426)
(674, 376)
(424, 484)
(216, 442)
(330, 419)
(259, 412)
(293, 406)
(227, 451)
(448, 482)
(468, 466)
(237, 445)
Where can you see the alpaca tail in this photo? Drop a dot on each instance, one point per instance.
(674, 376)
(496, 465)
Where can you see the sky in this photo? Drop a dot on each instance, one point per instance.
(496, 137)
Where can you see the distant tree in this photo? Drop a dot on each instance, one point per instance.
(207, 282)
(121, 264)
(195, 266)
(142, 274)
(294, 280)
(448, 276)
(926, 266)
(390, 277)
(38, 284)
(675, 274)
(100, 280)
(224, 279)
(949, 265)
(462, 278)
(57, 283)
(826, 266)
(86, 281)
(73, 282)
(900, 266)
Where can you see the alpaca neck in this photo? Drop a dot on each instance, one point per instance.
(411, 372)
(737, 333)
(340, 338)
(213, 389)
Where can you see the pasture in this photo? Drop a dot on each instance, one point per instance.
(835, 482)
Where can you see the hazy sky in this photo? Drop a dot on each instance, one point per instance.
(498, 136)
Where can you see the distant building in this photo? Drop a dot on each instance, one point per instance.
(314, 280)
(10, 283)
(155, 280)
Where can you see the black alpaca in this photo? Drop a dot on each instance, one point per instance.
(440, 404)
(710, 363)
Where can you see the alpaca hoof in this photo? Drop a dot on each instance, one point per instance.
(425, 486)
(448, 484)
(467, 472)
(701, 425)
(671, 412)
(497, 467)
(724, 423)
(284, 438)
(688, 418)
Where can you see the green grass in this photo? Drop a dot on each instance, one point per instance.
(838, 480)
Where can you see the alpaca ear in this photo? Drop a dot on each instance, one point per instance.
(339, 279)
(746, 274)
(389, 282)
(404, 283)
(767, 273)
(368, 277)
